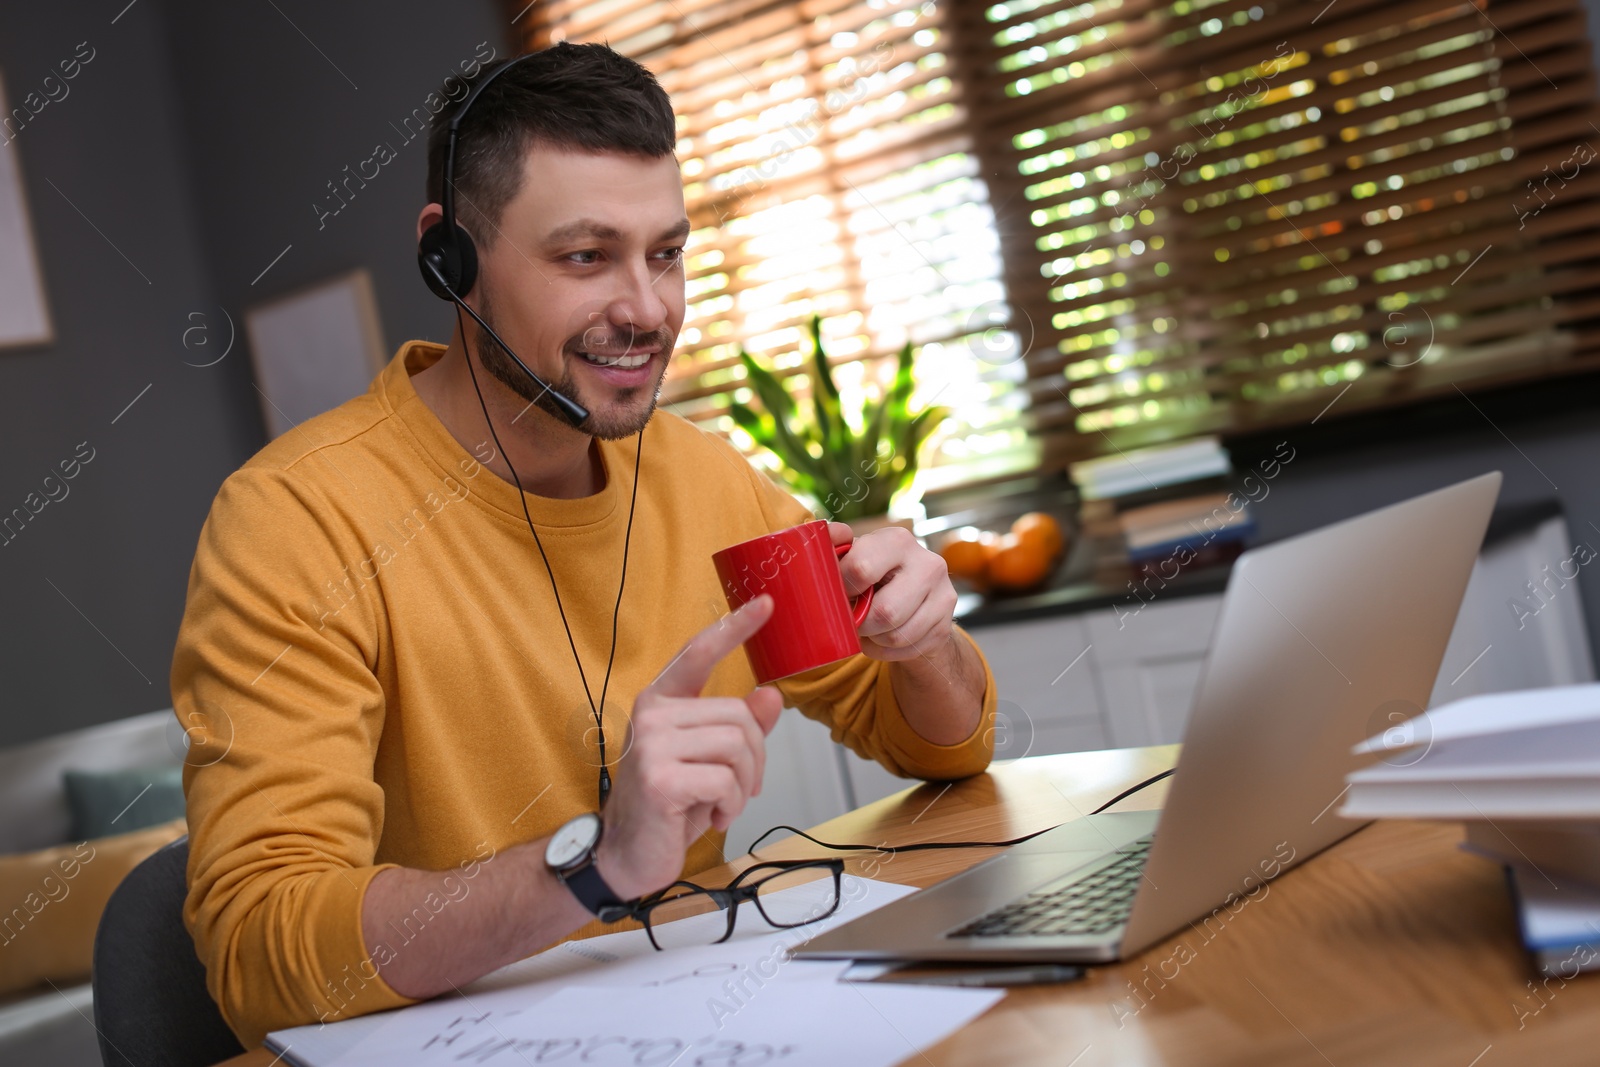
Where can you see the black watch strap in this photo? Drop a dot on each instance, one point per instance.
(593, 893)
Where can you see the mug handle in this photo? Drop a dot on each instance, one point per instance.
(863, 604)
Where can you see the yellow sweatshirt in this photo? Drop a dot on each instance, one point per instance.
(372, 672)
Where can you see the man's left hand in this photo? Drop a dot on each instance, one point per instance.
(914, 602)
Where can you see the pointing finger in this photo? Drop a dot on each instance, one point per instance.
(687, 674)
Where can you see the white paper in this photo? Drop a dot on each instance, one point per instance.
(870, 970)
(1491, 713)
(628, 958)
(752, 959)
(1567, 751)
(1557, 913)
(798, 1024)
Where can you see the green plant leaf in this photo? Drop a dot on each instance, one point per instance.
(757, 426)
(823, 370)
(761, 429)
(921, 425)
(833, 432)
(789, 447)
(774, 397)
(900, 390)
(849, 474)
(825, 394)
(897, 400)
(871, 435)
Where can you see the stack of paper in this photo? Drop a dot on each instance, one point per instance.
(1522, 771)
(1526, 756)
(614, 999)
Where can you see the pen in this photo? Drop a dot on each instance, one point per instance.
(1039, 974)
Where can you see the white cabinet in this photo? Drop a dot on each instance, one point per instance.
(866, 780)
(1148, 663)
(1048, 698)
(802, 786)
(1074, 683)
(1112, 678)
(1521, 624)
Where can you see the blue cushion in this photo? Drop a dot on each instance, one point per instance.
(104, 803)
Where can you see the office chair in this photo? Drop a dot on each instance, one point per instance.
(151, 1006)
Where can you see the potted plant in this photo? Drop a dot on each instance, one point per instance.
(851, 464)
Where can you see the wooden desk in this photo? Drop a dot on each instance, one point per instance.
(1392, 947)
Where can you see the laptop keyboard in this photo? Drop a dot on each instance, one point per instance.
(1093, 904)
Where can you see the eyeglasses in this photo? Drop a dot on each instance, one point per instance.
(787, 893)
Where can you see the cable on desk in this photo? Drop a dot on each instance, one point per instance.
(897, 848)
(1152, 780)
(1126, 793)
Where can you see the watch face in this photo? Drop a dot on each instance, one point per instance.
(570, 842)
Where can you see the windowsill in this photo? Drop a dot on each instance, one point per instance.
(1085, 583)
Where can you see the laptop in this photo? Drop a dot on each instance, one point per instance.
(1319, 638)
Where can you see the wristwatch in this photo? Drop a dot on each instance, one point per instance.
(570, 857)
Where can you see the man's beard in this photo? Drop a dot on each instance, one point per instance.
(608, 426)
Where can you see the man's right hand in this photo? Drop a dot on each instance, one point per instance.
(691, 762)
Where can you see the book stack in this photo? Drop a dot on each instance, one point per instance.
(1521, 770)
(1162, 509)
(1194, 531)
(1559, 919)
(1142, 471)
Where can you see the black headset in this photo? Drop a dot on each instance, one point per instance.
(449, 260)
(449, 263)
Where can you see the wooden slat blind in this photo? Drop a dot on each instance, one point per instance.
(1193, 216)
(827, 168)
(1227, 216)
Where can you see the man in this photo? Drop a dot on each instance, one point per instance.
(395, 705)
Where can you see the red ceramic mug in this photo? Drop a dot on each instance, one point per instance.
(813, 621)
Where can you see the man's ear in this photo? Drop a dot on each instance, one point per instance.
(431, 214)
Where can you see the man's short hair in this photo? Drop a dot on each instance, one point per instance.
(575, 96)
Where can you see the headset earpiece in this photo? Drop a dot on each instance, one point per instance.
(455, 260)
(448, 261)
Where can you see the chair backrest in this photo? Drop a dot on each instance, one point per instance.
(151, 1005)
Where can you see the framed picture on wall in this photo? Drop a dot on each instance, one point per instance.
(24, 314)
(314, 349)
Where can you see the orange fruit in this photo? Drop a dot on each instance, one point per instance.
(1041, 528)
(967, 555)
(1019, 563)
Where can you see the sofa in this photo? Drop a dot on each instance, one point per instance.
(49, 1024)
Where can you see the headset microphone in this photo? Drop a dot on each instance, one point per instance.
(574, 412)
(449, 259)
(449, 263)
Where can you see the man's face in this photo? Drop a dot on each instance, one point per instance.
(584, 281)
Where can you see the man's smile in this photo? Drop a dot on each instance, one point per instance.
(632, 358)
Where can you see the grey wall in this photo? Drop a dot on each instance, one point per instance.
(273, 116)
(94, 585)
(194, 142)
